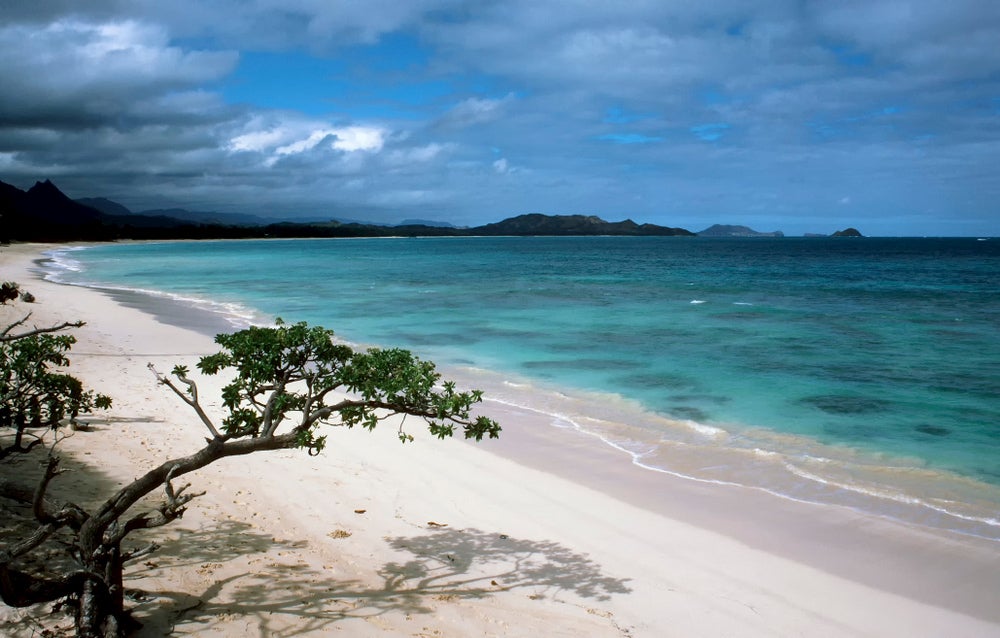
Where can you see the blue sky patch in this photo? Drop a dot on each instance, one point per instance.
(629, 138)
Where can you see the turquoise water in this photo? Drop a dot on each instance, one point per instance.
(860, 372)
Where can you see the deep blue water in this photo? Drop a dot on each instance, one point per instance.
(856, 366)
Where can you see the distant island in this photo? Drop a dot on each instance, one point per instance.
(725, 230)
(536, 224)
(46, 214)
(847, 232)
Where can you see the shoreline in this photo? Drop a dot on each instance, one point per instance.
(787, 466)
(735, 536)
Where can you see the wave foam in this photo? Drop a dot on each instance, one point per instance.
(887, 494)
(58, 263)
(705, 430)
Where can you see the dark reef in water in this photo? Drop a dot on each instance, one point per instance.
(933, 430)
(845, 404)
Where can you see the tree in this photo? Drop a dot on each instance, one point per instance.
(34, 396)
(288, 382)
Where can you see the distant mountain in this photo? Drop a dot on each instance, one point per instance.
(725, 230)
(176, 215)
(537, 224)
(425, 222)
(51, 205)
(117, 215)
(44, 213)
(104, 205)
(207, 217)
(847, 232)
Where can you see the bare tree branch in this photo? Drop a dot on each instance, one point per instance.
(64, 513)
(37, 537)
(191, 397)
(140, 552)
(171, 509)
(6, 336)
(38, 503)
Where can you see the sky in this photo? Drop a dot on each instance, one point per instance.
(794, 115)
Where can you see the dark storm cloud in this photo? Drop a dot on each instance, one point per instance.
(72, 74)
(778, 113)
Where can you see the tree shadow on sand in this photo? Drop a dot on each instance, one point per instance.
(471, 563)
(438, 566)
(82, 482)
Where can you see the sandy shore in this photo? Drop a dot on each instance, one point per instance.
(544, 533)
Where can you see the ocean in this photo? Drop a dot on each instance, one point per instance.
(857, 372)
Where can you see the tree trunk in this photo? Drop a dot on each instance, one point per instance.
(101, 612)
(114, 577)
(93, 613)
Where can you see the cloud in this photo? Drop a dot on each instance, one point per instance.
(414, 197)
(261, 24)
(618, 115)
(308, 143)
(295, 136)
(261, 140)
(415, 155)
(72, 72)
(662, 111)
(358, 138)
(710, 132)
(472, 111)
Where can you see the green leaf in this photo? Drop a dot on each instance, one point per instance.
(34, 390)
(291, 368)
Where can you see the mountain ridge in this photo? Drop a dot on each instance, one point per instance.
(45, 213)
(539, 224)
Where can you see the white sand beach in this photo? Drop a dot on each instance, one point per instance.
(542, 533)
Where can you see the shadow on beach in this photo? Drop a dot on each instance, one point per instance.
(81, 481)
(263, 581)
(437, 567)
